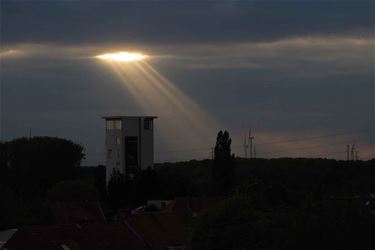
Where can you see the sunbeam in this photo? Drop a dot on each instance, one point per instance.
(180, 117)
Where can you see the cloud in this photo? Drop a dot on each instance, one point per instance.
(314, 56)
(86, 22)
(8, 53)
(283, 68)
(302, 56)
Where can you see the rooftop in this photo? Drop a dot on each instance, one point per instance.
(160, 230)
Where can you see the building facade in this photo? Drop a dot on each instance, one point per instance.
(129, 142)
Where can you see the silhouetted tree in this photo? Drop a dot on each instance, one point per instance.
(34, 165)
(145, 186)
(117, 188)
(223, 168)
(3, 156)
(4, 175)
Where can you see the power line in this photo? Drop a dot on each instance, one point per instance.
(305, 138)
(208, 149)
(268, 143)
(302, 148)
(276, 152)
(315, 137)
(273, 142)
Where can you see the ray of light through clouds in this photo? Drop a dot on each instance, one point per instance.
(178, 115)
(288, 70)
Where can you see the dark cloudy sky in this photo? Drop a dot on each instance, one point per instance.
(301, 74)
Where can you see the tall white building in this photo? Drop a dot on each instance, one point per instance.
(129, 142)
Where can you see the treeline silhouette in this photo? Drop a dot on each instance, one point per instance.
(35, 172)
(267, 204)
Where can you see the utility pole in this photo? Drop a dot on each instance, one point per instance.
(245, 146)
(212, 153)
(251, 138)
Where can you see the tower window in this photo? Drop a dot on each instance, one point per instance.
(147, 123)
(118, 124)
(113, 124)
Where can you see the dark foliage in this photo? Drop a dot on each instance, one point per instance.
(125, 192)
(33, 165)
(118, 189)
(73, 190)
(272, 204)
(248, 221)
(29, 167)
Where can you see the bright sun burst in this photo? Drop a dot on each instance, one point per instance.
(122, 56)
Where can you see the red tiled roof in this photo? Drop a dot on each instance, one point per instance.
(160, 230)
(45, 237)
(78, 212)
(95, 236)
(114, 236)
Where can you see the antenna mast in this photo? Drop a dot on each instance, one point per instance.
(352, 152)
(251, 138)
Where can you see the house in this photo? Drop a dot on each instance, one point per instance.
(129, 142)
(82, 225)
(168, 228)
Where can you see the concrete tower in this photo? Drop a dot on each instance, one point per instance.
(129, 142)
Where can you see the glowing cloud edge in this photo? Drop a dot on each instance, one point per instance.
(122, 56)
